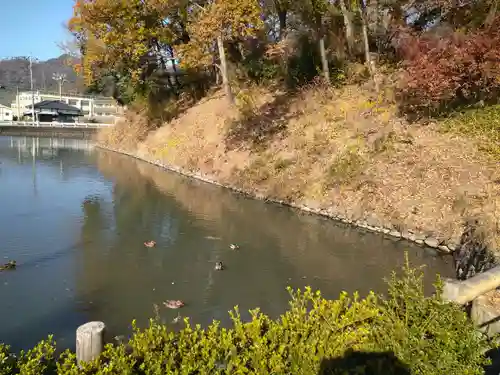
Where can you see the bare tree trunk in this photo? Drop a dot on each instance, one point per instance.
(373, 20)
(174, 67)
(324, 60)
(366, 45)
(282, 18)
(491, 14)
(369, 63)
(223, 68)
(349, 27)
(372, 15)
(322, 49)
(281, 8)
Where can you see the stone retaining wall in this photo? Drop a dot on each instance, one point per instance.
(28, 131)
(368, 224)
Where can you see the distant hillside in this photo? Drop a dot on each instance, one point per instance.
(6, 97)
(15, 73)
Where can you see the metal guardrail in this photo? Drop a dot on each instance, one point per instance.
(54, 124)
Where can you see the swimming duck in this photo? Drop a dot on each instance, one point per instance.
(233, 246)
(173, 304)
(10, 265)
(218, 266)
(150, 243)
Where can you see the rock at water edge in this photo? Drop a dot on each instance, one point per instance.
(395, 233)
(431, 242)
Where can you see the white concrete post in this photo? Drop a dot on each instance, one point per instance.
(462, 292)
(89, 341)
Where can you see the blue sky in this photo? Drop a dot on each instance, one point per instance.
(33, 27)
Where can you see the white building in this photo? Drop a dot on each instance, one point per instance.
(5, 113)
(100, 109)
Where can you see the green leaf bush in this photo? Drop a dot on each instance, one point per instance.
(403, 332)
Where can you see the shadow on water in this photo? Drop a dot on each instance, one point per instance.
(47, 258)
(63, 317)
(366, 363)
(61, 321)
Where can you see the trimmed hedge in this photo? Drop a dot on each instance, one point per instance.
(401, 333)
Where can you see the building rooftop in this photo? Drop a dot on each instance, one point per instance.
(55, 105)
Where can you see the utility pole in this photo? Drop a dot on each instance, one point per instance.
(17, 104)
(32, 93)
(43, 80)
(60, 78)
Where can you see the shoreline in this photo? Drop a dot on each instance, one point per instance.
(414, 236)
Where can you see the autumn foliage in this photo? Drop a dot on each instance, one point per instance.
(229, 19)
(449, 54)
(119, 38)
(443, 73)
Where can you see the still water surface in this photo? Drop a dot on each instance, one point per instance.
(75, 220)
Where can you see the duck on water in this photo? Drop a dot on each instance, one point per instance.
(10, 265)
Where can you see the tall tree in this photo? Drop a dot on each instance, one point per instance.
(123, 38)
(312, 13)
(215, 23)
(348, 24)
(282, 10)
(370, 64)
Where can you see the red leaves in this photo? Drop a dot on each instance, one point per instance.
(442, 73)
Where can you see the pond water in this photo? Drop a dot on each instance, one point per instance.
(76, 218)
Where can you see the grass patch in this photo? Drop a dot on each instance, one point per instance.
(246, 104)
(385, 142)
(126, 134)
(282, 163)
(482, 124)
(390, 141)
(258, 171)
(345, 167)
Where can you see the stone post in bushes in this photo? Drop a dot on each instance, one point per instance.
(463, 292)
(89, 341)
(481, 291)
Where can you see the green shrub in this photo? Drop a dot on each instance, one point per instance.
(401, 333)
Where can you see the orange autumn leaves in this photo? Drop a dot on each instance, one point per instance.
(226, 18)
(118, 35)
